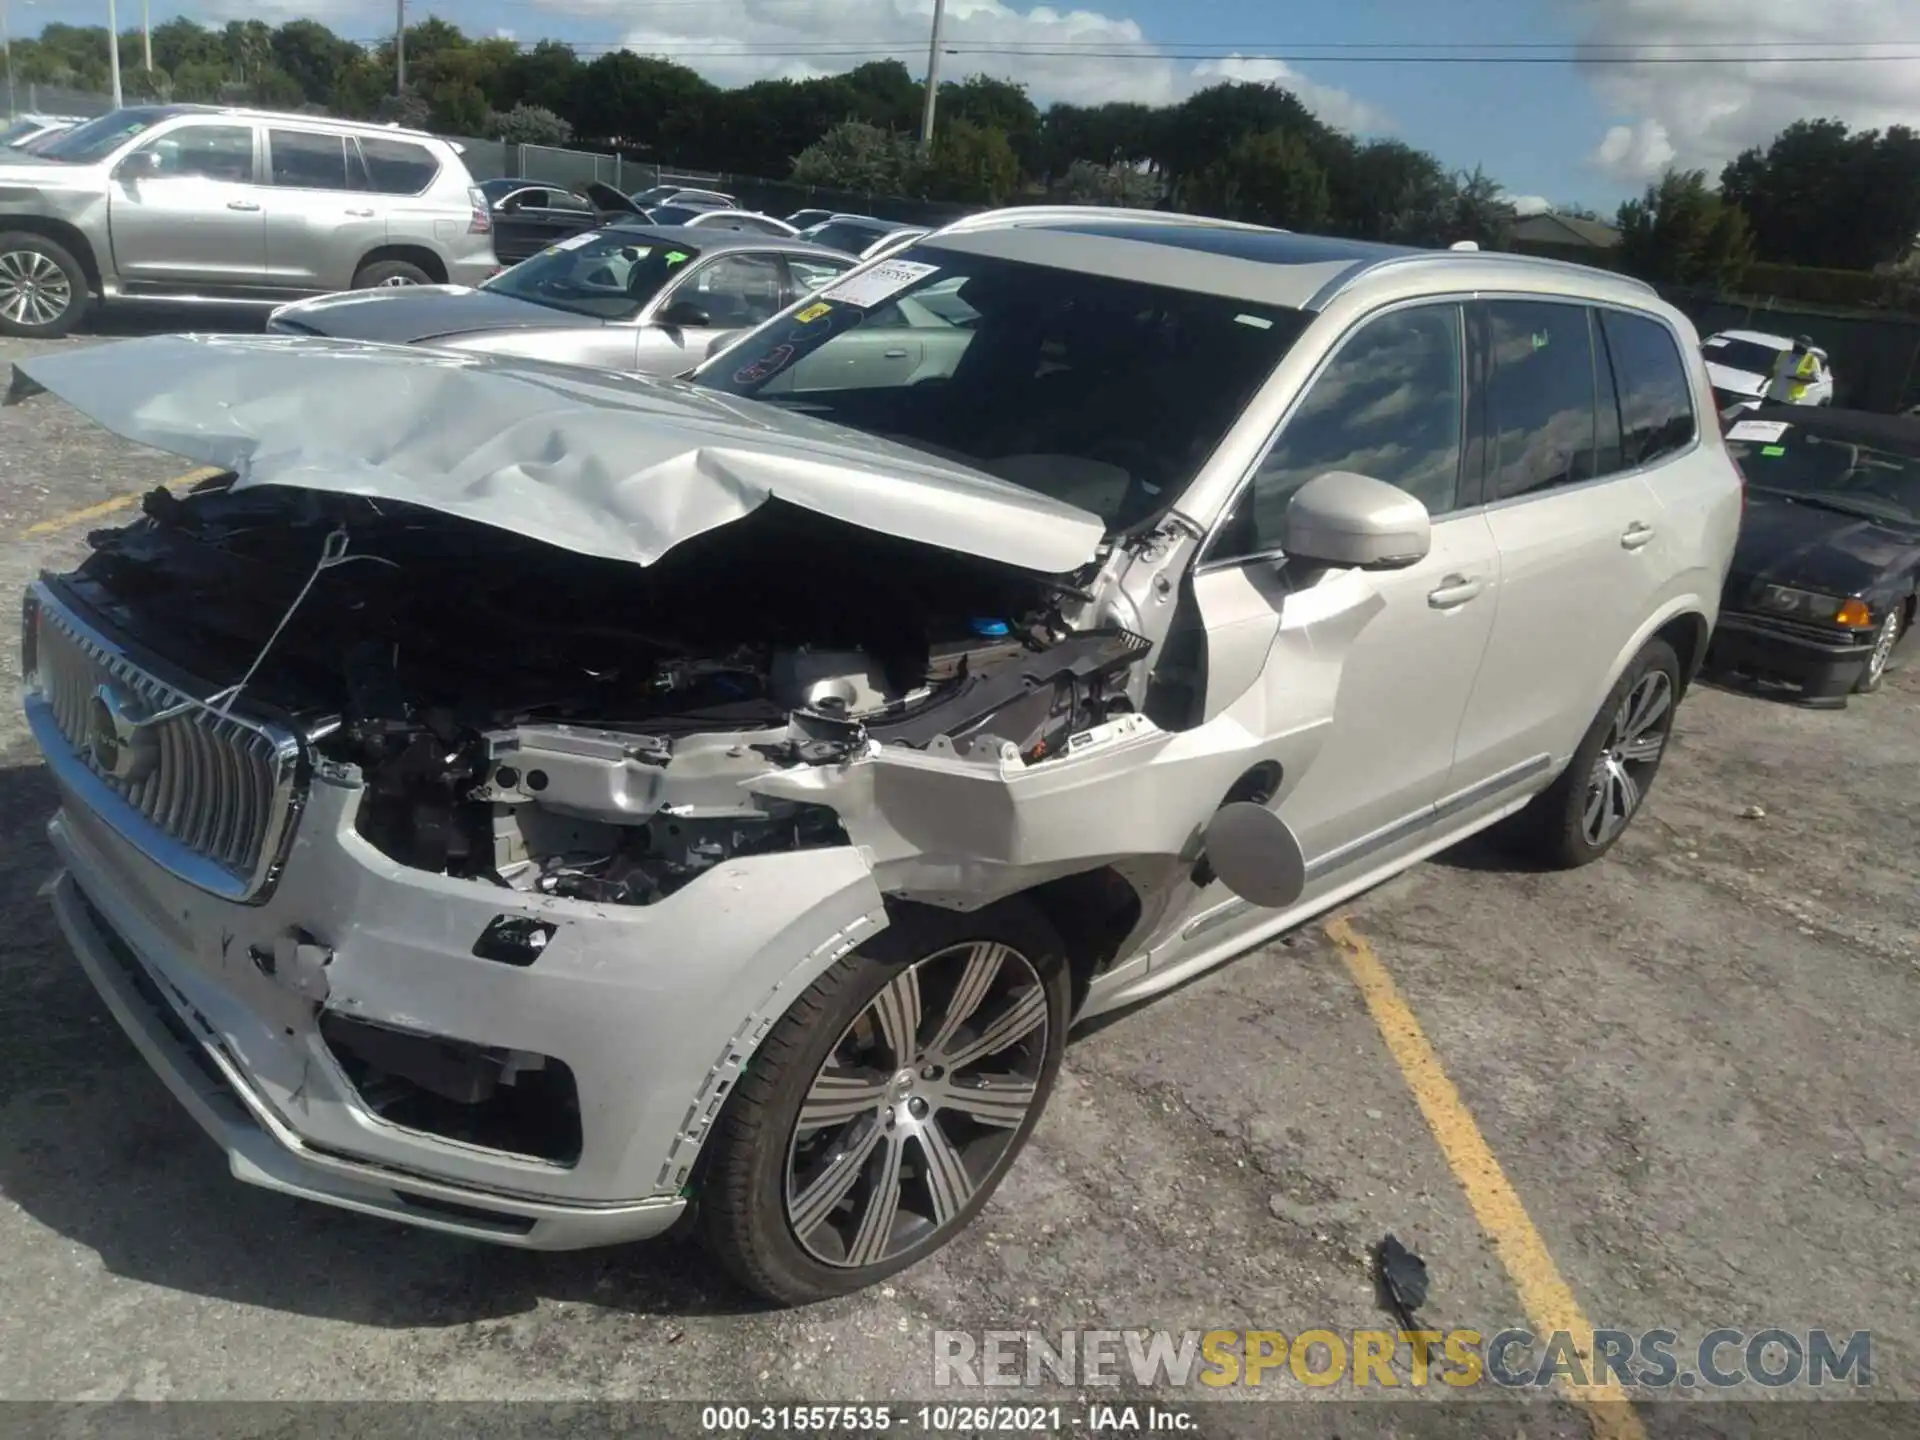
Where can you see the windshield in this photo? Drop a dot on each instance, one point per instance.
(1107, 394)
(603, 273)
(97, 139)
(1856, 479)
(1742, 355)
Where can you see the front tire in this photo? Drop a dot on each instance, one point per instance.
(381, 274)
(1884, 639)
(882, 1111)
(1578, 818)
(43, 290)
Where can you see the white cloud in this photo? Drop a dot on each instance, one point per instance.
(1524, 205)
(733, 42)
(1701, 116)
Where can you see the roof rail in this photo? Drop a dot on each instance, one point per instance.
(1015, 214)
(1479, 259)
(1546, 262)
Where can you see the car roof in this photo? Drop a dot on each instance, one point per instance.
(709, 240)
(1865, 426)
(1257, 263)
(1754, 337)
(329, 122)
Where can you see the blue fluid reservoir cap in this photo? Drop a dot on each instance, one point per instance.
(992, 627)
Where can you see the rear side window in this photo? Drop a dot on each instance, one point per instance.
(1541, 397)
(1650, 380)
(397, 167)
(307, 161)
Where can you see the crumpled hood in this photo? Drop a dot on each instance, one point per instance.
(411, 314)
(1782, 543)
(603, 464)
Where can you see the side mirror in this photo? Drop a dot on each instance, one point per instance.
(685, 315)
(141, 162)
(721, 341)
(1345, 519)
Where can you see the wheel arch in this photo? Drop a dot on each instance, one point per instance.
(424, 256)
(66, 235)
(1684, 622)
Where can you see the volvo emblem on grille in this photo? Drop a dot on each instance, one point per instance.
(119, 746)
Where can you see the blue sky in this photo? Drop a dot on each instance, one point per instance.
(1559, 132)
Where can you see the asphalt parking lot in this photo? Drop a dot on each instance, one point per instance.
(1694, 1066)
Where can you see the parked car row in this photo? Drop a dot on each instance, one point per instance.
(157, 202)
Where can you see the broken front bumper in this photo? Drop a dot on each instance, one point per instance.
(649, 1009)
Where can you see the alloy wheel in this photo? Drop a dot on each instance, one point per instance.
(915, 1104)
(393, 282)
(1883, 643)
(33, 290)
(1629, 757)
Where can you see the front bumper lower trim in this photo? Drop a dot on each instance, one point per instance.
(262, 1151)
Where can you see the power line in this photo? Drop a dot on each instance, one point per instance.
(708, 49)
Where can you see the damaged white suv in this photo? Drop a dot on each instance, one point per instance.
(533, 803)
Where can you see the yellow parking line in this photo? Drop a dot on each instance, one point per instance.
(1549, 1303)
(119, 502)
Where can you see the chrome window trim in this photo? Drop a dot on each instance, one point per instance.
(1204, 564)
(1203, 560)
(1612, 476)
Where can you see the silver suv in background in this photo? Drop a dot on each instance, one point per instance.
(185, 202)
(728, 794)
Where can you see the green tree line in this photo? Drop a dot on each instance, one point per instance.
(1819, 195)
(1246, 151)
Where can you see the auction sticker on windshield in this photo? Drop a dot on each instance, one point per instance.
(880, 284)
(1765, 431)
(574, 242)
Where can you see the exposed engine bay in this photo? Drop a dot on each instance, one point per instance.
(506, 701)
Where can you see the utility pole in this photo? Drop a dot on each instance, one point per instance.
(400, 47)
(6, 44)
(933, 73)
(113, 52)
(146, 36)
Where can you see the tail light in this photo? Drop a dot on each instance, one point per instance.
(482, 221)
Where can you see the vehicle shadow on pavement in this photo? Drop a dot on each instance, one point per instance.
(119, 322)
(95, 1149)
(1488, 853)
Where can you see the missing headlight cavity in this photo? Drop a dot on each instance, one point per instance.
(509, 1100)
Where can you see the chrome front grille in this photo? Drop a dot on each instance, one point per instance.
(209, 798)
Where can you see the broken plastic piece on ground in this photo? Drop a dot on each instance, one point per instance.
(1401, 1279)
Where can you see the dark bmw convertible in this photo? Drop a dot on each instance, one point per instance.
(1822, 590)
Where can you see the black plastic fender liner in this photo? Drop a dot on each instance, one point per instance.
(1079, 659)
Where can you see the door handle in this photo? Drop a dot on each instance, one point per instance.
(242, 205)
(894, 355)
(1454, 591)
(1637, 534)
(361, 214)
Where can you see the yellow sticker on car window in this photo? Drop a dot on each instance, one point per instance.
(813, 313)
